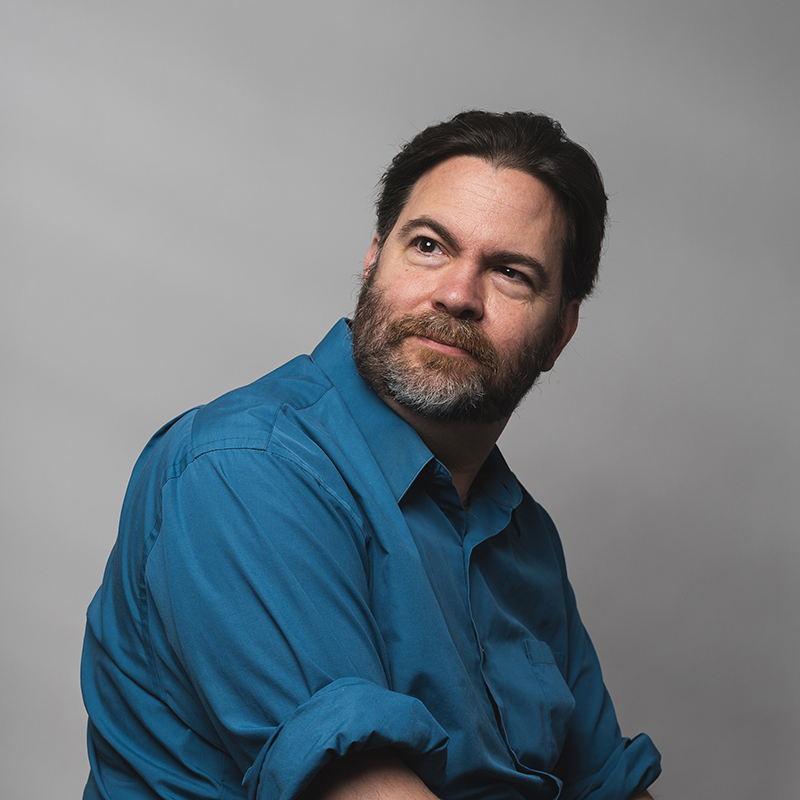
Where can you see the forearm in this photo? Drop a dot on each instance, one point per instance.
(375, 775)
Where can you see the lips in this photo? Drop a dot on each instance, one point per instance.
(446, 342)
(461, 334)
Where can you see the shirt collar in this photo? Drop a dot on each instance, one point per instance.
(497, 481)
(395, 445)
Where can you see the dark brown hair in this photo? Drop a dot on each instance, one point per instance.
(531, 143)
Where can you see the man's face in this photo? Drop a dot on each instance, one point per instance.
(460, 308)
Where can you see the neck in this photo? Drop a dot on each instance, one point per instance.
(461, 446)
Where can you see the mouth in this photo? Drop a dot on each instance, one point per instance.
(442, 346)
(452, 338)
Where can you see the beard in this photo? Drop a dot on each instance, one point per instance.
(484, 387)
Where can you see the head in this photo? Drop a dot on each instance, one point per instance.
(440, 327)
(531, 143)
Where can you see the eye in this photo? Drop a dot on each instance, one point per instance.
(513, 274)
(427, 246)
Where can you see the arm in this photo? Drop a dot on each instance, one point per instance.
(374, 775)
(265, 608)
(595, 757)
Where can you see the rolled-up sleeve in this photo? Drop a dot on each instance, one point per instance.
(257, 597)
(348, 714)
(597, 762)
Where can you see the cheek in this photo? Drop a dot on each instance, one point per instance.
(404, 294)
(517, 331)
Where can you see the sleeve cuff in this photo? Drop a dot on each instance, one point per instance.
(349, 714)
(632, 767)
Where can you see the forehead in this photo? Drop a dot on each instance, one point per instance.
(504, 208)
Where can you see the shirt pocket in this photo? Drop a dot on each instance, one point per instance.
(559, 704)
(532, 700)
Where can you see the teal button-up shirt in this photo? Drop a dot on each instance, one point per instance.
(296, 578)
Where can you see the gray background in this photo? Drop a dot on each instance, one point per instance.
(186, 195)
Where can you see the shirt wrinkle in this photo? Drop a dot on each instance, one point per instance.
(313, 586)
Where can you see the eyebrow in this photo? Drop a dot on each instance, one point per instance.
(509, 257)
(520, 259)
(436, 227)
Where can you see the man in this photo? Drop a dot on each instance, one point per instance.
(328, 584)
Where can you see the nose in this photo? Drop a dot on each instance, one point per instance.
(458, 291)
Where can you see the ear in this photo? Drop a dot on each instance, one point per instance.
(372, 254)
(569, 324)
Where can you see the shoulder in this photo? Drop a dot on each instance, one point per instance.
(275, 414)
(246, 417)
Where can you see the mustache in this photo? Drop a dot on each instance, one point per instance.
(461, 333)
